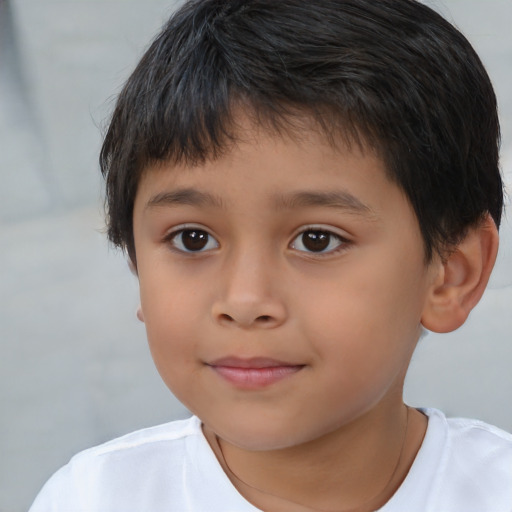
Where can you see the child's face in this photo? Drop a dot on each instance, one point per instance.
(288, 255)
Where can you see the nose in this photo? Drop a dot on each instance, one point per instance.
(250, 296)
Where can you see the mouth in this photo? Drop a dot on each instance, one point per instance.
(253, 373)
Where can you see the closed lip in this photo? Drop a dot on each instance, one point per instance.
(251, 362)
(253, 373)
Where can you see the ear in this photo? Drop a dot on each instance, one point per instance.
(133, 269)
(460, 280)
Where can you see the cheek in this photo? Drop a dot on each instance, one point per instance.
(170, 318)
(168, 295)
(173, 346)
(366, 321)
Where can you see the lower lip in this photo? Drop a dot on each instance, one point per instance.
(255, 378)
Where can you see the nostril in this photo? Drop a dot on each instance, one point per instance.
(245, 320)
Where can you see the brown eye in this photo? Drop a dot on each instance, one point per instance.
(317, 241)
(193, 240)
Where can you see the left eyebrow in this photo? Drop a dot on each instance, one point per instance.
(339, 199)
(184, 196)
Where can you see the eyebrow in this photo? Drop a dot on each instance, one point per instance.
(338, 199)
(184, 196)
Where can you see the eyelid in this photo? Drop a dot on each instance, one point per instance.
(187, 225)
(176, 230)
(323, 227)
(341, 236)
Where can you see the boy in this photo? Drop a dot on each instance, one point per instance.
(301, 187)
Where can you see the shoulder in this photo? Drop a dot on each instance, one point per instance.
(475, 440)
(474, 464)
(169, 434)
(142, 447)
(148, 460)
(464, 427)
(480, 448)
(463, 465)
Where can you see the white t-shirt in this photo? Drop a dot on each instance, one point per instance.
(462, 466)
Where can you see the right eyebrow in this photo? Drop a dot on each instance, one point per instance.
(184, 196)
(338, 199)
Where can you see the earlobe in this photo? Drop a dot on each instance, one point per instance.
(133, 269)
(461, 279)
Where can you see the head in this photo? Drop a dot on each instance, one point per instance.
(221, 159)
(393, 76)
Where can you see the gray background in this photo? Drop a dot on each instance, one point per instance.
(74, 366)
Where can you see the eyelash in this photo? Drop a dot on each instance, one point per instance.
(342, 241)
(171, 238)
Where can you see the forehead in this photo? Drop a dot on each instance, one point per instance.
(265, 170)
(264, 155)
(296, 134)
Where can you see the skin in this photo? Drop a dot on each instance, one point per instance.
(345, 320)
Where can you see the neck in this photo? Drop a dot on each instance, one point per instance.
(357, 467)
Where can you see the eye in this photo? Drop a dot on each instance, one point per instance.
(192, 240)
(317, 241)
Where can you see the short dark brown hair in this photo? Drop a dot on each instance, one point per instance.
(392, 73)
